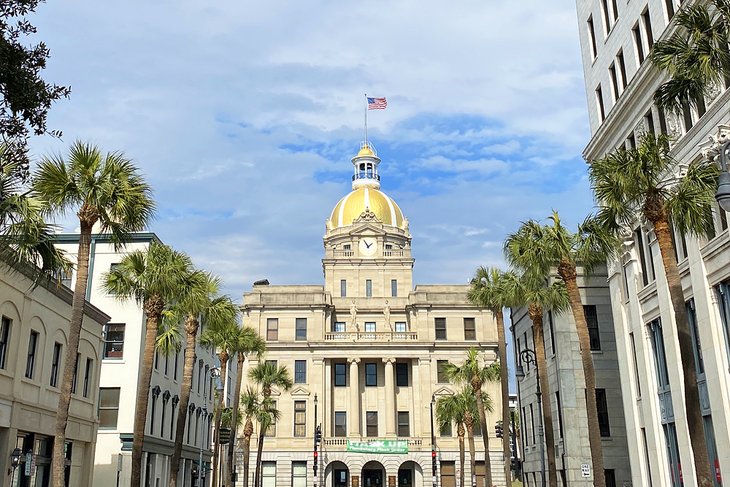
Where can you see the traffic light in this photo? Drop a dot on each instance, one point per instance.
(498, 429)
(433, 462)
(317, 435)
(317, 440)
(316, 462)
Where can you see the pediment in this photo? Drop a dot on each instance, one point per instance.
(300, 391)
(275, 392)
(443, 391)
(367, 228)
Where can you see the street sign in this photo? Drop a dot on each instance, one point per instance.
(585, 470)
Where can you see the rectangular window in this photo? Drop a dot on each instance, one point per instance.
(177, 359)
(594, 334)
(343, 288)
(299, 474)
(401, 374)
(108, 407)
(638, 43)
(695, 333)
(592, 37)
(440, 324)
(272, 427)
(441, 376)
(368, 288)
(636, 365)
(662, 121)
(646, 20)
(614, 82)
(446, 431)
(724, 302)
(599, 104)
(559, 406)
(371, 422)
(606, 16)
(30, 360)
(340, 374)
(610, 475)
(621, 62)
(55, 363)
(649, 122)
(87, 376)
(300, 371)
(338, 327)
(646, 455)
(300, 419)
(157, 359)
(340, 423)
(400, 327)
(470, 331)
(660, 358)
(394, 288)
(268, 474)
(4, 337)
(200, 374)
(602, 407)
(301, 329)
(272, 329)
(669, 4)
(670, 437)
(532, 423)
(114, 340)
(370, 327)
(404, 426)
(371, 374)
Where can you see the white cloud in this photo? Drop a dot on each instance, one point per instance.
(205, 95)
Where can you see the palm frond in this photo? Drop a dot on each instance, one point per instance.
(692, 199)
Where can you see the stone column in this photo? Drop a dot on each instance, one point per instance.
(389, 397)
(327, 423)
(355, 418)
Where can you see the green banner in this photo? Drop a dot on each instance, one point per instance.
(378, 446)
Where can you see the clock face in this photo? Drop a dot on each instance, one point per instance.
(368, 246)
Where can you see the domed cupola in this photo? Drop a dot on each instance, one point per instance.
(366, 199)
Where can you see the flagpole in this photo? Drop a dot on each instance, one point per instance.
(366, 119)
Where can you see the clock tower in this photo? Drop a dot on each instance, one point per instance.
(367, 243)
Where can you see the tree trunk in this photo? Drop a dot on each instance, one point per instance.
(259, 452)
(485, 433)
(240, 357)
(547, 414)
(460, 432)
(504, 380)
(223, 356)
(246, 454)
(695, 423)
(72, 349)
(469, 422)
(569, 275)
(153, 307)
(191, 331)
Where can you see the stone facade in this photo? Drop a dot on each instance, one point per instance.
(368, 346)
(567, 391)
(33, 336)
(647, 345)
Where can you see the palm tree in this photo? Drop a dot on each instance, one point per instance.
(267, 415)
(539, 249)
(223, 337)
(487, 291)
(248, 342)
(249, 405)
(475, 373)
(534, 293)
(631, 181)
(452, 409)
(267, 375)
(696, 56)
(200, 302)
(154, 278)
(105, 190)
(25, 237)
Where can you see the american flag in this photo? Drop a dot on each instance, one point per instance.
(377, 103)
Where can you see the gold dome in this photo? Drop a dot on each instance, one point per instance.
(354, 204)
(365, 151)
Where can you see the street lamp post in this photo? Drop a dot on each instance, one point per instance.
(528, 356)
(433, 444)
(723, 187)
(14, 462)
(315, 460)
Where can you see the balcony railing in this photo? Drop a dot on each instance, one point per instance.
(342, 441)
(371, 336)
(344, 253)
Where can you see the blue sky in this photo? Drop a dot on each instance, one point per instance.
(244, 116)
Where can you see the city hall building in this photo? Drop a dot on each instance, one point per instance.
(366, 352)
